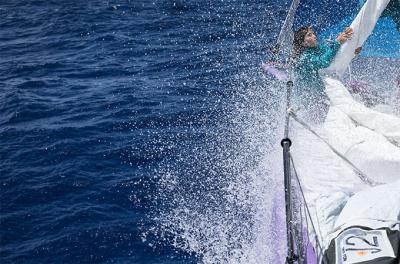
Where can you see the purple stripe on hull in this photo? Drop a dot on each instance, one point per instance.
(279, 233)
(279, 229)
(271, 69)
(311, 256)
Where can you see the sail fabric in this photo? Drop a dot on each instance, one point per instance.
(382, 123)
(371, 152)
(392, 10)
(378, 132)
(363, 26)
(370, 139)
(366, 230)
(327, 181)
(372, 203)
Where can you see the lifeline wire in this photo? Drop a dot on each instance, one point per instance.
(306, 205)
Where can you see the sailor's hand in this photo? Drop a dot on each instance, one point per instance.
(357, 50)
(345, 35)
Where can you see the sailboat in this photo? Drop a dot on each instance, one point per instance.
(342, 177)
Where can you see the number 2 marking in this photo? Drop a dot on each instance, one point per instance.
(374, 243)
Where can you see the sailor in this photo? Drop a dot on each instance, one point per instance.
(309, 57)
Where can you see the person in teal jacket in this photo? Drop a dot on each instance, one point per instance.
(310, 57)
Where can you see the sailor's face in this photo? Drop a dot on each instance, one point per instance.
(310, 39)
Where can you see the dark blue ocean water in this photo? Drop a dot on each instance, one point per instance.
(94, 97)
(117, 115)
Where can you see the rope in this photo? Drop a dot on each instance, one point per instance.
(285, 37)
(360, 174)
(301, 250)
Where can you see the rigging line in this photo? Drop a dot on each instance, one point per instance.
(297, 226)
(306, 216)
(303, 255)
(297, 202)
(361, 175)
(284, 41)
(305, 203)
(288, 24)
(307, 225)
(322, 238)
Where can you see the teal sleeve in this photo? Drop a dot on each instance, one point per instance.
(320, 61)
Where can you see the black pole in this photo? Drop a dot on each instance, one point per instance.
(291, 257)
(286, 143)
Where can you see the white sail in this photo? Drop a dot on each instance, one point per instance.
(378, 132)
(368, 138)
(363, 25)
